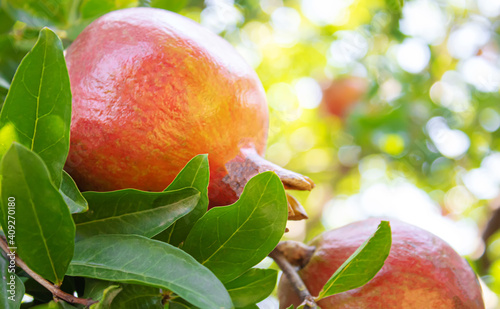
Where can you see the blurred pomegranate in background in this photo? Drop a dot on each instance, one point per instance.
(342, 94)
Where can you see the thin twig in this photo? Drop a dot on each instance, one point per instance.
(492, 226)
(294, 278)
(490, 229)
(55, 290)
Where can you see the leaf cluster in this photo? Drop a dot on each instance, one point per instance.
(128, 247)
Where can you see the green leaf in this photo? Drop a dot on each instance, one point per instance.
(195, 174)
(124, 258)
(230, 240)
(11, 286)
(39, 13)
(252, 287)
(132, 211)
(72, 195)
(44, 230)
(362, 265)
(37, 110)
(137, 296)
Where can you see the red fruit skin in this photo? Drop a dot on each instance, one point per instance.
(152, 89)
(422, 271)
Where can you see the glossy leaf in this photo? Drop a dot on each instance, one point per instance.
(123, 258)
(44, 229)
(132, 211)
(72, 195)
(195, 174)
(362, 265)
(11, 286)
(230, 240)
(37, 110)
(252, 287)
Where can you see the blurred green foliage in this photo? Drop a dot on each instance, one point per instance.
(422, 142)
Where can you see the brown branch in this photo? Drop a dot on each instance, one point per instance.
(492, 226)
(289, 271)
(55, 290)
(490, 229)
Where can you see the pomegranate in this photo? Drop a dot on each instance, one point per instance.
(422, 271)
(151, 89)
(341, 94)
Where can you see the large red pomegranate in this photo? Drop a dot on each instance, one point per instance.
(151, 89)
(422, 271)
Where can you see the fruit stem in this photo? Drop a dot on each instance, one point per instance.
(249, 163)
(54, 289)
(289, 271)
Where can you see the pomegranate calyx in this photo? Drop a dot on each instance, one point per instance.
(249, 163)
(296, 211)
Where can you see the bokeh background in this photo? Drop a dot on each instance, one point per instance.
(392, 109)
